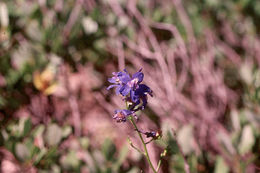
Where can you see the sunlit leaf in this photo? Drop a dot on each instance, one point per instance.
(185, 139)
(22, 151)
(70, 160)
(221, 166)
(53, 134)
(247, 140)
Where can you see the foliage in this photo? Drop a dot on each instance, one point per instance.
(56, 55)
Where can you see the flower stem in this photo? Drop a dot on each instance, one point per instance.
(144, 145)
(132, 145)
(159, 164)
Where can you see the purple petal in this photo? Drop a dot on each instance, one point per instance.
(111, 86)
(121, 115)
(118, 89)
(143, 90)
(144, 100)
(124, 78)
(126, 112)
(112, 80)
(133, 96)
(139, 76)
(125, 90)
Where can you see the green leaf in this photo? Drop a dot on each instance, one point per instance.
(172, 145)
(55, 169)
(185, 139)
(108, 149)
(40, 155)
(177, 163)
(21, 151)
(2, 101)
(221, 166)
(27, 126)
(66, 131)
(30, 145)
(38, 131)
(122, 154)
(247, 140)
(70, 160)
(84, 142)
(1, 139)
(121, 158)
(22, 128)
(193, 162)
(134, 170)
(53, 134)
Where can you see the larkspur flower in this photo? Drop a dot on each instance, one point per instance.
(153, 134)
(119, 80)
(121, 115)
(124, 82)
(134, 94)
(140, 94)
(136, 79)
(133, 91)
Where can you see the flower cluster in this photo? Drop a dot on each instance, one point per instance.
(134, 93)
(154, 135)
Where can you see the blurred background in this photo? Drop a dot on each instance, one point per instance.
(201, 58)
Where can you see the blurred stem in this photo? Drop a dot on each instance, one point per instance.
(160, 161)
(132, 145)
(149, 141)
(159, 164)
(144, 145)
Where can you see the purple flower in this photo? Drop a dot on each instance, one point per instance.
(124, 83)
(153, 134)
(121, 115)
(119, 80)
(133, 92)
(133, 83)
(140, 94)
(150, 134)
(136, 79)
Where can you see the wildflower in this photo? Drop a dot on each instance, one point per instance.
(121, 115)
(154, 135)
(119, 80)
(132, 84)
(45, 81)
(140, 94)
(136, 79)
(133, 91)
(124, 82)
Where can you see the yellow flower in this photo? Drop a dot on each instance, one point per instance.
(45, 81)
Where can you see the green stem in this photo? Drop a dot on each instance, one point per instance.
(132, 145)
(159, 164)
(144, 145)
